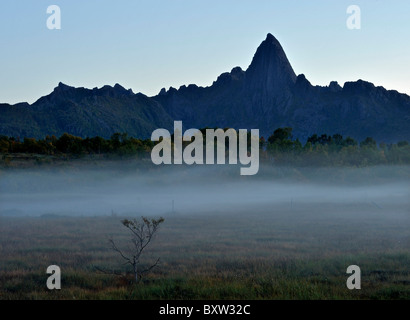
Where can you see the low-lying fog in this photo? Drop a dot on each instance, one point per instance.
(173, 190)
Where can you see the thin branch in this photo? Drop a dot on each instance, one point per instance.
(146, 243)
(153, 266)
(137, 234)
(114, 247)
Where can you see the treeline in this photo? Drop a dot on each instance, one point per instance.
(280, 148)
(333, 150)
(119, 144)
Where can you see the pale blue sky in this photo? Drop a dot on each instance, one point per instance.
(150, 44)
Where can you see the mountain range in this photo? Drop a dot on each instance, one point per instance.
(265, 96)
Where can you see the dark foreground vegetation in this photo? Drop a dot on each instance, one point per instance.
(280, 148)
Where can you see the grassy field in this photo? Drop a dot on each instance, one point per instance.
(286, 252)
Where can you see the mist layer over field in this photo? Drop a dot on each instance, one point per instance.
(87, 190)
(287, 233)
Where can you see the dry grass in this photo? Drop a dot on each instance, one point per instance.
(278, 253)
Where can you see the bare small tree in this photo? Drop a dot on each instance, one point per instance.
(142, 231)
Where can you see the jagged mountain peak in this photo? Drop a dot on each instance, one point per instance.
(270, 53)
(116, 90)
(270, 71)
(270, 37)
(62, 86)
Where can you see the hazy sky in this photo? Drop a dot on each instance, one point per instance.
(150, 44)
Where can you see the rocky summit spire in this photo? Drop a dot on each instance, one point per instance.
(270, 73)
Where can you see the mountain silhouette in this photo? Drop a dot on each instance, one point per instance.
(84, 112)
(266, 96)
(270, 76)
